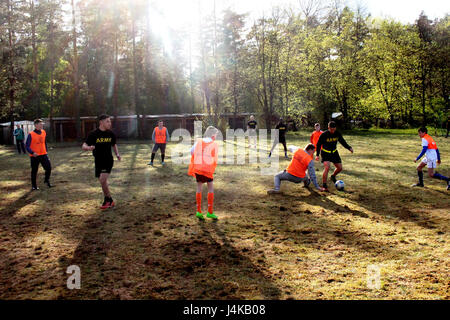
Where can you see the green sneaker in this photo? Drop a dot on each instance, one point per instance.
(200, 215)
(212, 216)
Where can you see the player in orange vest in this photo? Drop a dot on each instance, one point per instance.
(302, 161)
(37, 148)
(316, 134)
(204, 155)
(160, 138)
(432, 156)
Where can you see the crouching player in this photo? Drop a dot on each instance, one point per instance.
(432, 156)
(204, 155)
(296, 171)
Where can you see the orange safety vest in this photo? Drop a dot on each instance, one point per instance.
(299, 163)
(431, 143)
(315, 137)
(38, 143)
(160, 135)
(204, 159)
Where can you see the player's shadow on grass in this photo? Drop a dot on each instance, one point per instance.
(385, 202)
(90, 256)
(19, 203)
(323, 227)
(207, 266)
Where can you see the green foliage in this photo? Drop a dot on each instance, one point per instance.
(289, 63)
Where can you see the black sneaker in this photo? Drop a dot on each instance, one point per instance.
(34, 188)
(49, 184)
(418, 185)
(333, 178)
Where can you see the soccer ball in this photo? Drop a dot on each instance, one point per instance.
(339, 185)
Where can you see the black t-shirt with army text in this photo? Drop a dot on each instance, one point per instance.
(103, 141)
(281, 129)
(328, 141)
(252, 124)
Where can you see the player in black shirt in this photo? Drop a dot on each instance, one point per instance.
(282, 128)
(100, 142)
(327, 148)
(251, 129)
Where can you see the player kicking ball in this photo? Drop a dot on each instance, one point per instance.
(432, 156)
(100, 142)
(302, 161)
(204, 155)
(327, 148)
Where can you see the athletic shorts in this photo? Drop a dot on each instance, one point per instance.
(431, 163)
(161, 146)
(103, 166)
(330, 156)
(202, 179)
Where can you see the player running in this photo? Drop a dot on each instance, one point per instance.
(37, 148)
(296, 171)
(280, 138)
(204, 155)
(100, 142)
(431, 152)
(315, 135)
(327, 148)
(160, 138)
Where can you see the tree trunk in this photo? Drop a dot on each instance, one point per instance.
(11, 75)
(75, 75)
(137, 105)
(35, 94)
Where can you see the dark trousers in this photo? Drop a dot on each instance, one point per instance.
(20, 145)
(45, 162)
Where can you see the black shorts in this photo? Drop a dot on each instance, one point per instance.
(330, 156)
(103, 166)
(161, 146)
(202, 179)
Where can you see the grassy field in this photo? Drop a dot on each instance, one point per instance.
(299, 245)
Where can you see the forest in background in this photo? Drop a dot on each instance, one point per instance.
(86, 57)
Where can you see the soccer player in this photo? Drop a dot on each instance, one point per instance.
(316, 134)
(296, 171)
(327, 148)
(160, 137)
(204, 155)
(431, 152)
(37, 148)
(281, 138)
(251, 129)
(302, 161)
(20, 135)
(100, 142)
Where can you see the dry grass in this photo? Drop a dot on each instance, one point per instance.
(299, 245)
